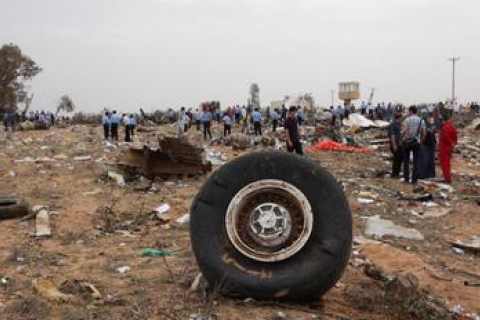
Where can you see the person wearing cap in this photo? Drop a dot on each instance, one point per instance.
(291, 130)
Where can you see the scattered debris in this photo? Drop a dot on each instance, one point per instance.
(336, 146)
(162, 209)
(184, 219)
(196, 283)
(123, 269)
(176, 156)
(83, 158)
(473, 246)
(377, 227)
(150, 252)
(42, 223)
(365, 201)
(48, 290)
(118, 179)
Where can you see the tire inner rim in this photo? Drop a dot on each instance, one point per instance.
(269, 220)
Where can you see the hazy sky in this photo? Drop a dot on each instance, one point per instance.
(166, 53)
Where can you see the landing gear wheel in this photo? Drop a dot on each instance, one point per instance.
(271, 225)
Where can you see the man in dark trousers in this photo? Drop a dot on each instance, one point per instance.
(114, 122)
(395, 137)
(413, 131)
(291, 129)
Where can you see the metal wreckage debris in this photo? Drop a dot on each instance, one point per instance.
(175, 156)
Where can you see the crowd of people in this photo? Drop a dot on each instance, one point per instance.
(12, 119)
(252, 121)
(412, 133)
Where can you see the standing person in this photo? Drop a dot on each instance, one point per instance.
(126, 123)
(106, 125)
(133, 124)
(347, 111)
(341, 113)
(395, 137)
(181, 121)
(300, 116)
(333, 111)
(275, 117)
(207, 122)
(283, 115)
(412, 132)
(6, 120)
(363, 108)
(190, 119)
(227, 125)
(291, 129)
(198, 119)
(238, 113)
(257, 122)
(370, 109)
(246, 120)
(428, 149)
(114, 122)
(448, 140)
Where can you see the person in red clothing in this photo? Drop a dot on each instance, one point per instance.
(448, 140)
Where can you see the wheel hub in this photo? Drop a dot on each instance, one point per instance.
(269, 220)
(270, 224)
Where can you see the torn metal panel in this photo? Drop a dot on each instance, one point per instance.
(176, 156)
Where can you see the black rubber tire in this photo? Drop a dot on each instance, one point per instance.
(308, 274)
(13, 208)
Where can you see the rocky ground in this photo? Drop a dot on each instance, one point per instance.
(99, 227)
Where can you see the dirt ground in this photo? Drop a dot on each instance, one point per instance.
(89, 242)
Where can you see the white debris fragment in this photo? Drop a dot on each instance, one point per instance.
(365, 201)
(377, 227)
(82, 158)
(163, 208)
(123, 269)
(184, 219)
(118, 179)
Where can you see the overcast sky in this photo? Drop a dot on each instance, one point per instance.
(165, 53)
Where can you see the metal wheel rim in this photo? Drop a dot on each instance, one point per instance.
(269, 220)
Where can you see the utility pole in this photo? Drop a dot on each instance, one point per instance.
(454, 61)
(333, 98)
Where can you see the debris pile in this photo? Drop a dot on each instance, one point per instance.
(175, 156)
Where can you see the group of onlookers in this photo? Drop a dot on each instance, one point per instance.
(12, 119)
(112, 121)
(252, 120)
(415, 137)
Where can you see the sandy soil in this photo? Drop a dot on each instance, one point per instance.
(87, 245)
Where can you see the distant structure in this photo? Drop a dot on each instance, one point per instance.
(305, 101)
(254, 101)
(349, 91)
